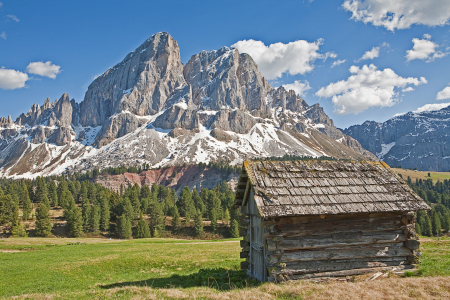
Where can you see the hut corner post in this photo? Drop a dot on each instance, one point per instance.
(244, 226)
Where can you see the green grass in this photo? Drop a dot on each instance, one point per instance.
(101, 268)
(435, 260)
(98, 266)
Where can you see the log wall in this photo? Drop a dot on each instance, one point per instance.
(335, 245)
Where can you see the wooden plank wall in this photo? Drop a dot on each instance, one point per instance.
(339, 245)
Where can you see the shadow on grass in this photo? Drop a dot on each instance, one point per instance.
(219, 278)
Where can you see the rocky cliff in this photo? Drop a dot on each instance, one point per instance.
(151, 109)
(412, 140)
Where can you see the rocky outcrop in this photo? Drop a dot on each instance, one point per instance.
(118, 126)
(226, 79)
(141, 83)
(412, 140)
(235, 120)
(221, 135)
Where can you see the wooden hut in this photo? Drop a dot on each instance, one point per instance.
(308, 219)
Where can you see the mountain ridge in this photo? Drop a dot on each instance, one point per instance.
(412, 140)
(151, 109)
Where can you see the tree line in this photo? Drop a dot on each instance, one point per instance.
(91, 209)
(436, 221)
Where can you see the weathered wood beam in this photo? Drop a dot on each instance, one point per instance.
(345, 272)
(331, 227)
(300, 268)
(385, 250)
(335, 240)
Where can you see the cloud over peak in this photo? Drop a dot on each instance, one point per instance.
(444, 94)
(367, 87)
(298, 86)
(276, 59)
(46, 69)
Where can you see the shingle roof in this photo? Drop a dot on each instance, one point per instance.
(296, 188)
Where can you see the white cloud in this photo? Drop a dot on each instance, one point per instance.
(431, 107)
(46, 69)
(3, 35)
(298, 86)
(408, 89)
(294, 58)
(12, 79)
(375, 52)
(337, 63)
(444, 94)
(424, 49)
(13, 17)
(399, 14)
(367, 87)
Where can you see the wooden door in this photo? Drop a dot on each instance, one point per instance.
(257, 249)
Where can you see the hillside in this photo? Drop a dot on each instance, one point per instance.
(151, 109)
(411, 141)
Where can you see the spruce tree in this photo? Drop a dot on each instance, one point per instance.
(26, 202)
(86, 213)
(83, 195)
(436, 224)
(234, 229)
(426, 226)
(418, 229)
(198, 225)
(142, 229)
(41, 190)
(94, 222)
(105, 213)
(127, 209)
(187, 220)
(185, 203)
(226, 217)
(446, 221)
(124, 227)
(52, 193)
(213, 219)
(77, 223)
(43, 223)
(145, 192)
(176, 222)
(157, 218)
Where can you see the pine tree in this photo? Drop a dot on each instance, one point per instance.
(187, 220)
(92, 193)
(41, 190)
(176, 222)
(418, 229)
(83, 195)
(226, 217)
(198, 225)
(94, 222)
(43, 223)
(446, 222)
(185, 203)
(86, 214)
(145, 192)
(142, 229)
(52, 193)
(134, 199)
(234, 229)
(124, 227)
(426, 226)
(157, 218)
(127, 209)
(77, 223)
(105, 213)
(436, 224)
(26, 202)
(213, 219)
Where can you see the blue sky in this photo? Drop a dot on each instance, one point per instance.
(48, 48)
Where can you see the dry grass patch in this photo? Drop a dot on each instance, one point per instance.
(421, 174)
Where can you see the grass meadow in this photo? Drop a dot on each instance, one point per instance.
(52, 268)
